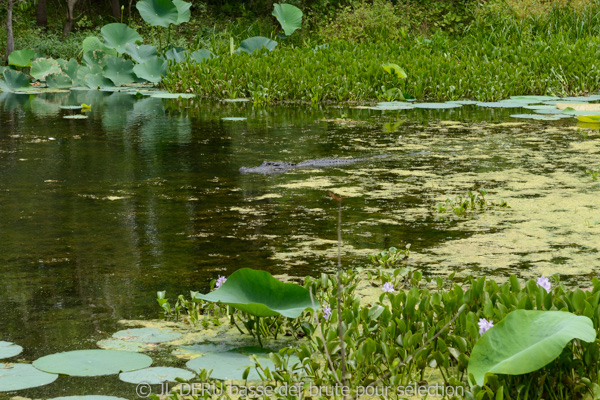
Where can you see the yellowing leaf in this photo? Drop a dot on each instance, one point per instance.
(578, 106)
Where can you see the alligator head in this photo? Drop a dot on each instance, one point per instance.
(268, 168)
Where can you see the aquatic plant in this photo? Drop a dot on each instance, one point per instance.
(393, 93)
(389, 258)
(593, 173)
(473, 201)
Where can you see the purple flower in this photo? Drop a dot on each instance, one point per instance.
(545, 283)
(220, 281)
(388, 287)
(484, 325)
(326, 312)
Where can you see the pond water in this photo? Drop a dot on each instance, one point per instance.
(98, 214)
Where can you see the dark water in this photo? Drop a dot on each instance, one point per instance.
(96, 215)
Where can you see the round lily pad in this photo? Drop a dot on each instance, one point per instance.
(173, 95)
(22, 376)
(502, 104)
(76, 116)
(71, 107)
(533, 99)
(124, 345)
(436, 105)
(236, 100)
(156, 375)
(393, 105)
(88, 397)
(577, 99)
(188, 352)
(463, 102)
(8, 349)
(147, 335)
(541, 117)
(234, 119)
(92, 362)
(232, 364)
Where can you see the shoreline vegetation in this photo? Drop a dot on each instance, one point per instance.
(483, 52)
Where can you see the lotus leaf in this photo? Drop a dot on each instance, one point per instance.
(257, 43)
(23, 376)
(158, 12)
(96, 57)
(92, 362)
(152, 70)
(240, 100)
(59, 80)
(463, 102)
(183, 11)
(533, 99)
(147, 335)
(164, 95)
(70, 67)
(578, 106)
(260, 294)
(177, 54)
(392, 106)
(141, 54)
(156, 375)
(436, 106)
(394, 69)
(21, 58)
(525, 341)
(500, 104)
(92, 43)
(13, 80)
(117, 36)
(42, 67)
(96, 81)
(201, 55)
(8, 349)
(119, 71)
(289, 16)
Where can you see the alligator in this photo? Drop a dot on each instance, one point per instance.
(279, 167)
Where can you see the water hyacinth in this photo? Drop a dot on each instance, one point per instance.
(388, 287)
(545, 283)
(484, 325)
(326, 312)
(220, 281)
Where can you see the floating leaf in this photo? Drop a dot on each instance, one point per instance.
(21, 58)
(119, 71)
(260, 294)
(233, 119)
(533, 99)
(75, 116)
(525, 341)
(197, 350)
(393, 105)
(590, 119)
(541, 117)
(183, 11)
(92, 362)
(59, 80)
(124, 345)
(257, 43)
(89, 397)
(147, 335)
(163, 95)
(578, 106)
(22, 376)
(8, 349)
(158, 12)
(463, 102)
(233, 363)
(70, 107)
(201, 55)
(289, 17)
(142, 53)
(13, 80)
(42, 67)
(501, 104)
(394, 69)
(235, 100)
(117, 36)
(435, 106)
(156, 375)
(152, 70)
(177, 54)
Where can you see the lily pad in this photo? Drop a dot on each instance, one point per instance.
(124, 345)
(173, 95)
(23, 376)
(156, 375)
(117, 36)
(533, 99)
(76, 116)
(92, 362)
(234, 119)
(289, 17)
(579, 106)
(158, 12)
(232, 364)
(147, 335)
(393, 105)
(257, 43)
(71, 107)
(60, 80)
(201, 55)
(13, 80)
(8, 349)
(463, 102)
(436, 106)
(92, 43)
(236, 100)
(42, 67)
(152, 70)
(88, 397)
(119, 71)
(189, 352)
(260, 294)
(590, 119)
(21, 58)
(541, 117)
(501, 104)
(177, 54)
(141, 54)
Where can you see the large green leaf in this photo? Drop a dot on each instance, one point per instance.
(21, 58)
(97, 81)
(177, 54)
(42, 67)
(151, 70)
(13, 80)
(22, 376)
(289, 16)
(158, 12)
(394, 69)
(526, 341)
(183, 11)
(92, 43)
(258, 293)
(117, 36)
(92, 362)
(141, 53)
(256, 43)
(70, 67)
(96, 57)
(119, 71)
(156, 375)
(8, 349)
(201, 55)
(60, 80)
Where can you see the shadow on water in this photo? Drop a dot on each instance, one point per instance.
(98, 214)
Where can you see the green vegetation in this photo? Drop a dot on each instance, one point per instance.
(473, 201)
